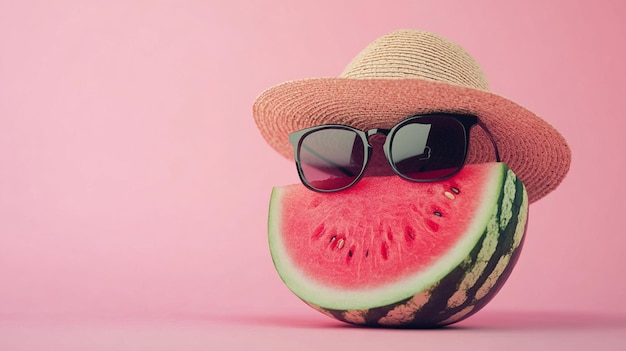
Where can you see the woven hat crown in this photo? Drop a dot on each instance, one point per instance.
(414, 54)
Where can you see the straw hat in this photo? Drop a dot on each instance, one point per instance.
(408, 72)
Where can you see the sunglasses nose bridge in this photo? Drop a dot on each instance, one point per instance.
(371, 132)
(383, 133)
(377, 163)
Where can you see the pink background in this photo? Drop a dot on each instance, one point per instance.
(134, 185)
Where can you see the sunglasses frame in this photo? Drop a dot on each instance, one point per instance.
(467, 121)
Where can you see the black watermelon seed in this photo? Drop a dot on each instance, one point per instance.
(350, 254)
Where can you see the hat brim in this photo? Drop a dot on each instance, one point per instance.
(530, 146)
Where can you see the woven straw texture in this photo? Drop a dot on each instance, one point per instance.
(409, 72)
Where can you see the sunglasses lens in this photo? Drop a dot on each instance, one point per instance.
(429, 148)
(331, 158)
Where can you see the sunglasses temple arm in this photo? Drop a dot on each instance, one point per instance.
(336, 166)
(493, 141)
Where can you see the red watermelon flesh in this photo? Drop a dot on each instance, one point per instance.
(437, 251)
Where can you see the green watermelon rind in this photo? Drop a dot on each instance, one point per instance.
(342, 299)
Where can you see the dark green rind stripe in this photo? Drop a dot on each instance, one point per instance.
(436, 312)
(506, 246)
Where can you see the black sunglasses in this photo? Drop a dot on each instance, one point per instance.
(423, 148)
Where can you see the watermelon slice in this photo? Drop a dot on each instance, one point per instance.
(388, 252)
